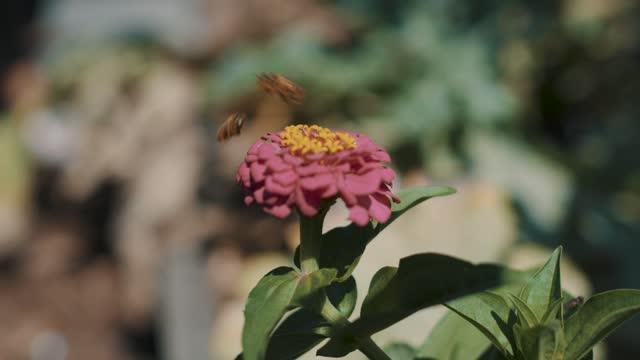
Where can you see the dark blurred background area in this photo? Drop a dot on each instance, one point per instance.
(123, 234)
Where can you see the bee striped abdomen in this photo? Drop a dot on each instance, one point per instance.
(232, 126)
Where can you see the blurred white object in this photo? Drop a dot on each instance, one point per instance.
(50, 345)
(187, 305)
(542, 187)
(49, 137)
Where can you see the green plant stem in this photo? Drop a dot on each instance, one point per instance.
(310, 241)
(365, 345)
(371, 349)
(310, 248)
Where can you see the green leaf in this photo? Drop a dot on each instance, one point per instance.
(492, 354)
(420, 281)
(343, 246)
(400, 351)
(310, 284)
(296, 335)
(544, 287)
(482, 318)
(269, 301)
(553, 311)
(380, 281)
(304, 329)
(266, 305)
(454, 338)
(524, 311)
(543, 342)
(589, 356)
(598, 317)
(337, 347)
(490, 313)
(344, 295)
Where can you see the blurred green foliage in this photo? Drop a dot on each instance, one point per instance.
(15, 170)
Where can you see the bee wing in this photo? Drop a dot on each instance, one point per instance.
(286, 89)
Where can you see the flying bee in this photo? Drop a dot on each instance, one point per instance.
(231, 126)
(277, 84)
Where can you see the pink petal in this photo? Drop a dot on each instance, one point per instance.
(362, 184)
(347, 197)
(366, 167)
(311, 169)
(272, 137)
(359, 215)
(272, 199)
(259, 195)
(293, 160)
(330, 191)
(315, 157)
(365, 143)
(304, 204)
(245, 174)
(339, 156)
(253, 150)
(387, 174)
(248, 199)
(384, 190)
(285, 178)
(380, 208)
(281, 211)
(381, 156)
(344, 168)
(251, 158)
(317, 182)
(257, 171)
(276, 164)
(267, 151)
(274, 187)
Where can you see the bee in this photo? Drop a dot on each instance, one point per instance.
(277, 84)
(231, 126)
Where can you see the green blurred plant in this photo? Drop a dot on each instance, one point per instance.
(421, 73)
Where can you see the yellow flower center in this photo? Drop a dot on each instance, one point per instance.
(304, 139)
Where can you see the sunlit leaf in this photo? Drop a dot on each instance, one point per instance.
(544, 287)
(542, 342)
(454, 338)
(269, 301)
(524, 311)
(266, 305)
(598, 317)
(491, 315)
(400, 351)
(420, 281)
(305, 329)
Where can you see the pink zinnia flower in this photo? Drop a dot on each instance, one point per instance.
(302, 165)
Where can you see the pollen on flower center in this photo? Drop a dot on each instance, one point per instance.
(304, 139)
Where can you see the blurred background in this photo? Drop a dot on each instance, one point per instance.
(124, 236)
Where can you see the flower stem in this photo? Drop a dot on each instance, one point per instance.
(371, 349)
(311, 241)
(365, 345)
